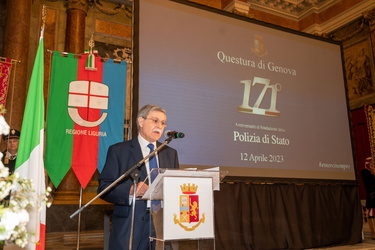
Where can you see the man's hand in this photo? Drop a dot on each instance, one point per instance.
(141, 189)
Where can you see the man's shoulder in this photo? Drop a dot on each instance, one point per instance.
(168, 149)
(127, 143)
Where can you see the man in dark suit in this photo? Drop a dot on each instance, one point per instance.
(151, 121)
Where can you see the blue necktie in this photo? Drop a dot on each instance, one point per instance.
(153, 163)
(155, 204)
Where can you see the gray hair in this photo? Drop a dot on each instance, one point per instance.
(145, 110)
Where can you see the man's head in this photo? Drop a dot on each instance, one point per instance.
(12, 140)
(151, 121)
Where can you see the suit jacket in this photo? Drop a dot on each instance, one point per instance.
(11, 163)
(120, 158)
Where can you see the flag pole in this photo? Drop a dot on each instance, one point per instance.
(79, 217)
(90, 65)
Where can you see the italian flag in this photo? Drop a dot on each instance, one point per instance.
(29, 162)
(85, 116)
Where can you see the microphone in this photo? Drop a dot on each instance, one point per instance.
(174, 134)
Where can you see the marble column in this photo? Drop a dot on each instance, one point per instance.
(75, 26)
(16, 46)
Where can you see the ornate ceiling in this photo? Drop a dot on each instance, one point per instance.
(295, 10)
(292, 8)
(341, 11)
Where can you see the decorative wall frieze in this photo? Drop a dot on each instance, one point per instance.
(112, 8)
(340, 20)
(109, 7)
(349, 31)
(367, 21)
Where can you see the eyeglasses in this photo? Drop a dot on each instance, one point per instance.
(156, 121)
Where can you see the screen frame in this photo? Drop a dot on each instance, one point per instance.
(243, 178)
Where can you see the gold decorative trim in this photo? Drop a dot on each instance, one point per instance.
(370, 115)
(240, 13)
(176, 221)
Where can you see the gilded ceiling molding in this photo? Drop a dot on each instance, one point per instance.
(238, 6)
(240, 13)
(295, 10)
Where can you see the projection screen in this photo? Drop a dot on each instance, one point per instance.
(255, 100)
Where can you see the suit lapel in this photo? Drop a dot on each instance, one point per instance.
(161, 154)
(137, 156)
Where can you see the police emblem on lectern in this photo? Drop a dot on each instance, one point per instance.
(189, 218)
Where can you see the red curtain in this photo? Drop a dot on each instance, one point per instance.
(361, 143)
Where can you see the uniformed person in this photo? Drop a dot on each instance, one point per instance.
(10, 154)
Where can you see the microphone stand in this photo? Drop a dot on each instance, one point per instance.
(134, 172)
(135, 176)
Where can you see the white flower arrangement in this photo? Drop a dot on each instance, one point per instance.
(17, 196)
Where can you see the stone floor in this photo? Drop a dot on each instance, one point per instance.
(94, 241)
(367, 243)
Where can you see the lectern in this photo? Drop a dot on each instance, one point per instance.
(182, 208)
